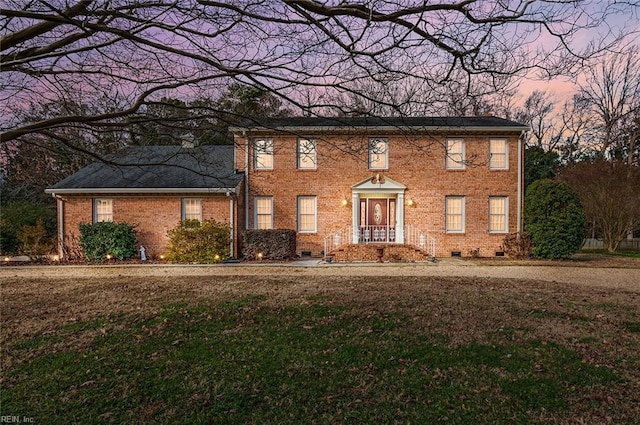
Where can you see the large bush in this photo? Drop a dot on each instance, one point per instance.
(18, 218)
(195, 242)
(554, 218)
(107, 238)
(272, 244)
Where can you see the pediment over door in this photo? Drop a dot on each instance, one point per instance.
(379, 184)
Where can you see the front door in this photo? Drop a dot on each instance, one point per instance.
(377, 220)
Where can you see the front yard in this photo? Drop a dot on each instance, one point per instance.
(269, 347)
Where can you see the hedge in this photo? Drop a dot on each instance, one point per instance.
(107, 238)
(272, 244)
(195, 242)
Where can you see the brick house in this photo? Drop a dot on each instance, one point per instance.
(352, 188)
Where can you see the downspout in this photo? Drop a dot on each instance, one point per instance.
(520, 170)
(232, 224)
(246, 180)
(60, 209)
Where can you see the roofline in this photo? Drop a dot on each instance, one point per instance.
(131, 190)
(385, 128)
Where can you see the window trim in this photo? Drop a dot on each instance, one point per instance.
(258, 152)
(183, 212)
(256, 215)
(315, 213)
(96, 214)
(370, 153)
(462, 214)
(506, 154)
(505, 200)
(313, 154)
(449, 162)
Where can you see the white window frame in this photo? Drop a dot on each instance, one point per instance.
(494, 156)
(449, 214)
(504, 215)
(378, 154)
(313, 214)
(263, 154)
(257, 214)
(455, 160)
(307, 154)
(102, 210)
(191, 215)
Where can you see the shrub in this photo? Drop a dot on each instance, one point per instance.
(195, 242)
(34, 240)
(17, 214)
(273, 244)
(107, 238)
(554, 218)
(517, 245)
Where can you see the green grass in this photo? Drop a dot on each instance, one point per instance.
(248, 361)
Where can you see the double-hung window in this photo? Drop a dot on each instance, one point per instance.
(102, 210)
(455, 156)
(307, 154)
(498, 214)
(263, 154)
(192, 209)
(263, 212)
(378, 154)
(498, 154)
(307, 216)
(454, 214)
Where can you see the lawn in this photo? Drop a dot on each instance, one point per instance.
(269, 349)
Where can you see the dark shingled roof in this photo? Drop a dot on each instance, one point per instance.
(414, 123)
(158, 169)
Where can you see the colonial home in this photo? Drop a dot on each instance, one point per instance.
(352, 188)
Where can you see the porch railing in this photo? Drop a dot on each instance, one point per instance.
(380, 234)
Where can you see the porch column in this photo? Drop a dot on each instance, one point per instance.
(355, 216)
(400, 218)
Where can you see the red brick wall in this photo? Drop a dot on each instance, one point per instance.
(416, 162)
(152, 215)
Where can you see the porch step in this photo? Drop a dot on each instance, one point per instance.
(370, 252)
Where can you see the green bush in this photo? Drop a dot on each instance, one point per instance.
(273, 244)
(195, 242)
(17, 214)
(554, 218)
(107, 238)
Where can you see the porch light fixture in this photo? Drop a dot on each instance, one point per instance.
(344, 202)
(410, 202)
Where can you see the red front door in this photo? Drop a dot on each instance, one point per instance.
(377, 220)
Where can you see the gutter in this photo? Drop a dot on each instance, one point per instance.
(145, 190)
(359, 129)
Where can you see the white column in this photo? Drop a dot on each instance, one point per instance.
(400, 218)
(355, 216)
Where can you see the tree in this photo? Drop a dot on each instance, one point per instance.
(539, 164)
(610, 195)
(301, 51)
(554, 218)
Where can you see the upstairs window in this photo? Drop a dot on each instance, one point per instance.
(378, 154)
(455, 154)
(192, 209)
(263, 154)
(498, 154)
(102, 210)
(264, 212)
(307, 154)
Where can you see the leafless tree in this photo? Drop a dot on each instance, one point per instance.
(300, 50)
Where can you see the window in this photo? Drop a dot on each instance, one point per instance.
(455, 154)
(102, 210)
(192, 209)
(263, 154)
(307, 154)
(498, 214)
(264, 212)
(307, 214)
(378, 154)
(498, 154)
(454, 214)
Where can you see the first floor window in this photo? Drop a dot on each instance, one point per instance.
(192, 209)
(307, 214)
(498, 217)
(264, 212)
(455, 154)
(498, 154)
(263, 154)
(378, 154)
(102, 210)
(454, 214)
